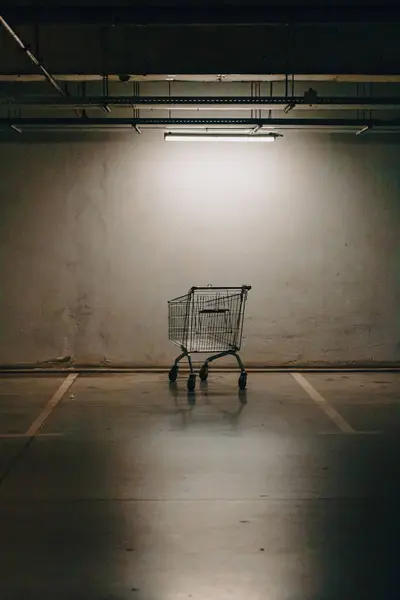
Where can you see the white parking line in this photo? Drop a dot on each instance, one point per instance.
(50, 406)
(12, 436)
(377, 432)
(323, 404)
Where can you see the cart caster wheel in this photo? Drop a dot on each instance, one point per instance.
(173, 374)
(204, 373)
(191, 383)
(242, 381)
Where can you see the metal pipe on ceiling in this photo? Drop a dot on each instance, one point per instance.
(32, 57)
(22, 77)
(43, 122)
(205, 102)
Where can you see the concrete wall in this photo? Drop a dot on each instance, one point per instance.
(96, 234)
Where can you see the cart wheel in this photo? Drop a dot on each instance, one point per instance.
(242, 381)
(173, 374)
(191, 382)
(204, 373)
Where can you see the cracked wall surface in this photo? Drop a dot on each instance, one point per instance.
(97, 233)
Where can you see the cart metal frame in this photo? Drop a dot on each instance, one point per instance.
(208, 320)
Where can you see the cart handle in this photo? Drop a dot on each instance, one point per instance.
(213, 311)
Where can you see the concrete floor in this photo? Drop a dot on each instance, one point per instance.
(122, 489)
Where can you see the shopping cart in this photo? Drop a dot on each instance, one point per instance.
(208, 320)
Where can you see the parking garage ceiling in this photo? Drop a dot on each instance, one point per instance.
(195, 13)
(195, 63)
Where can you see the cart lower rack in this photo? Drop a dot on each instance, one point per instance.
(208, 320)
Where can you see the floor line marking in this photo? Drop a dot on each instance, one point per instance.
(323, 404)
(7, 436)
(351, 433)
(50, 406)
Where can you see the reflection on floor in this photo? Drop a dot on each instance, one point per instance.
(135, 489)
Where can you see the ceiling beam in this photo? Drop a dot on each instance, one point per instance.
(223, 78)
(22, 122)
(307, 101)
(208, 15)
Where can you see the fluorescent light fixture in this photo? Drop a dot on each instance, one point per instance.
(218, 137)
(193, 129)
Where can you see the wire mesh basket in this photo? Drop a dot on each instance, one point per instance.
(208, 319)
